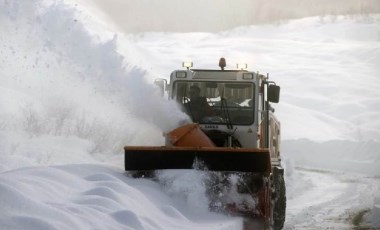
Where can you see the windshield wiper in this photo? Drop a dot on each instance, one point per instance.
(225, 111)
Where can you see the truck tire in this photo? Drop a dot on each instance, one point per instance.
(279, 208)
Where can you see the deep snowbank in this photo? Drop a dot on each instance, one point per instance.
(95, 197)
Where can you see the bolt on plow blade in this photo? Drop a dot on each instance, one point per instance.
(212, 158)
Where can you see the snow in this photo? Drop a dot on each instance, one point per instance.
(81, 196)
(74, 90)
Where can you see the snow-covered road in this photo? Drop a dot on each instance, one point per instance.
(320, 199)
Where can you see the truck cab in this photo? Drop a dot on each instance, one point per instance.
(231, 106)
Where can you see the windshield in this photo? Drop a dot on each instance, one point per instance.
(216, 102)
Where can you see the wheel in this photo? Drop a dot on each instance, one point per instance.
(279, 208)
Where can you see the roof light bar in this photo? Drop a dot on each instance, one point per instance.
(241, 66)
(187, 64)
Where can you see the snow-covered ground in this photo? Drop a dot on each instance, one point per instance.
(74, 91)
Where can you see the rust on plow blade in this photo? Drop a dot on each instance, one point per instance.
(213, 158)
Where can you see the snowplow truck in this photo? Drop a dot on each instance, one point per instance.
(234, 137)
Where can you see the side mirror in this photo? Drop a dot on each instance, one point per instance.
(161, 84)
(274, 93)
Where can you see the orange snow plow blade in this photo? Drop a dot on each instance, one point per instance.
(189, 145)
(214, 159)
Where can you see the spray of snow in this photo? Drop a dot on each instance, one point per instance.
(59, 80)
